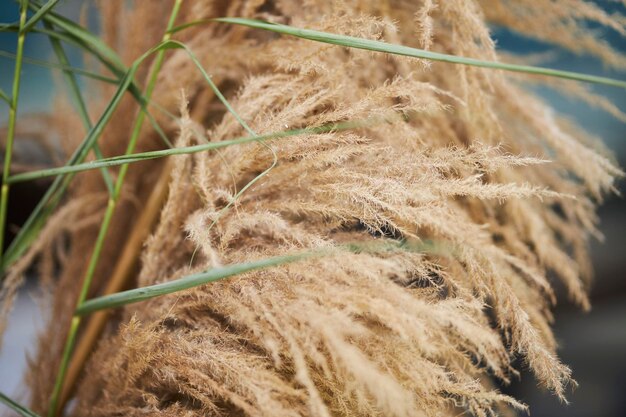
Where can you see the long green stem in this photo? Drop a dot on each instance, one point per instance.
(93, 261)
(54, 65)
(5, 98)
(143, 156)
(18, 408)
(8, 151)
(378, 46)
(215, 274)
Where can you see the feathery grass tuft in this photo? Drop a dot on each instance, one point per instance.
(317, 336)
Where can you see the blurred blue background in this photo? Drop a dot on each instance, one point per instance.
(593, 344)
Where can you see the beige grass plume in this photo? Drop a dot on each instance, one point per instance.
(465, 156)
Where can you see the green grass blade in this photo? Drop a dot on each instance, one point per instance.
(221, 97)
(15, 27)
(79, 102)
(4, 97)
(142, 156)
(76, 35)
(8, 150)
(190, 281)
(102, 53)
(378, 46)
(89, 41)
(84, 39)
(216, 274)
(81, 37)
(39, 14)
(18, 408)
(208, 79)
(9, 27)
(54, 65)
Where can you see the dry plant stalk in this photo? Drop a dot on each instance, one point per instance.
(466, 156)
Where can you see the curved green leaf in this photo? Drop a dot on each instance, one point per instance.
(140, 294)
(54, 65)
(18, 408)
(5, 97)
(142, 156)
(216, 274)
(378, 46)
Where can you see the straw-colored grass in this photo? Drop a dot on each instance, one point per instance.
(387, 227)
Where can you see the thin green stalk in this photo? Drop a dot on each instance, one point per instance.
(54, 65)
(8, 152)
(90, 74)
(215, 274)
(94, 75)
(70, 79)
(18, 408)
(76, 34)
(140, 294)
(143, 156)
(221, 97)
(59, 35)
(378, 46)
(69, 345)
(80, 36)
(5, 97)
(72, 33)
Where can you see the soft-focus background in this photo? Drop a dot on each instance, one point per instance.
(593, 344)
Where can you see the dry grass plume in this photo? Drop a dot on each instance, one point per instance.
(465, 156)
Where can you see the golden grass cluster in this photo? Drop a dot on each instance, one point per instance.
(460, 155)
